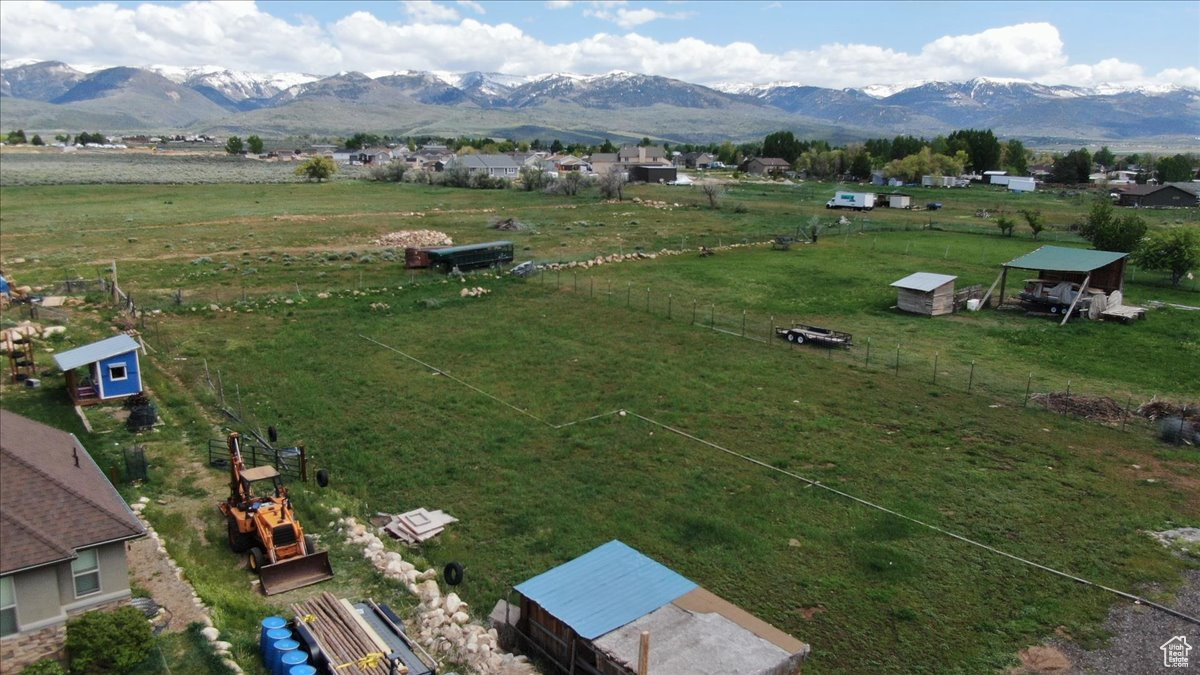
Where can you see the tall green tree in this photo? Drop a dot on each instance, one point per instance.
(980, 145)
(556, 147)
(1073, 167)
(607, 147)
(16, 137)
(1176, 251)
(254, 144)
(36, 140)
(1104, 157)
(1036, 221)
(1175, 169)
(1109, 232)
(1016, 159)
(234, 145)
(782, 144)
(362, 140)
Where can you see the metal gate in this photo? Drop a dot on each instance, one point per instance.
(291, 463)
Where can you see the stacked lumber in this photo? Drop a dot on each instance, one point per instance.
(417, 525)
(347, 643)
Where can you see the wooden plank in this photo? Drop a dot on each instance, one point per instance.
(643, 666)
(983, 302)
(1082, 290)
(83, 418)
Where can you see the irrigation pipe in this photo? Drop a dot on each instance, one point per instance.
(810, 483)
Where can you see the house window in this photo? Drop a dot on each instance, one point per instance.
(118, 372)
(8, 607)
(86, 570)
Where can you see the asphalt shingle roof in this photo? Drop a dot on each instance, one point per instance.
(55, 499)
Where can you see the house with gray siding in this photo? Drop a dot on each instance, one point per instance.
(63, 532)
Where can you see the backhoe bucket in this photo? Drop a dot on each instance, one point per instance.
(295, 573)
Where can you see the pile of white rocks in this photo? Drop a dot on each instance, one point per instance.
(623, 257)
(443, 622)
(473, 292)
(413, 239)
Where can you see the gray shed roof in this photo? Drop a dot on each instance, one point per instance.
(923, 281)
(81, 356)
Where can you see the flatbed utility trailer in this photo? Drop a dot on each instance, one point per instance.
(800, 333)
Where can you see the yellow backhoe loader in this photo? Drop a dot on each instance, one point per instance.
(263, 524)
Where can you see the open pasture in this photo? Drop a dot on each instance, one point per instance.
(868, 590)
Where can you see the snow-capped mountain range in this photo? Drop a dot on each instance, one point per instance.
(212, 97)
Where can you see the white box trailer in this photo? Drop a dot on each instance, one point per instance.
(859, 201)
(938, 181)
(1021, 184)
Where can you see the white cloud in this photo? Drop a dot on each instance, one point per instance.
(558, 4)
(473, 6)
(618, 13)
(240, 36)
(425, 11)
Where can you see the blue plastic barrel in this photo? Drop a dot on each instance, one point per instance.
(302, 670)
(290, 660)
(274, 635)
(269, 623)
(279, 648)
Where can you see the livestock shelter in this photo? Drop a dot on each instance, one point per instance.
(589, 615)
(112, 370)
(926, 293)
(1095, 272)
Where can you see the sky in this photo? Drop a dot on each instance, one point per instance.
(828, 44)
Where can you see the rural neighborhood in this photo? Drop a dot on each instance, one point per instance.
(430, 362)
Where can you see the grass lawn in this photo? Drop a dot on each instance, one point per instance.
(868, 590)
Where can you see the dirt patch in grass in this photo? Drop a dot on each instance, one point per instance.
(1041, 659)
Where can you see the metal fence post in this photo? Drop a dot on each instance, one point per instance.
(592, 287)
(935, 364)
(971, 377)
(712, 316)
(1028, 386)
(897, 359)
(670, 301)
(743, 323)
(575, 287)
(647, 299)
(770, 330)
(693, 312)
(868, 351)
(628, 295)
(1125, 417)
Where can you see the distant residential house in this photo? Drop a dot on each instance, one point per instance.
(643, 155)
(1160, 196)
(63, 527)
(602, 162)
(694, 160)
(570, 163)
(765, 166)
(497, 166)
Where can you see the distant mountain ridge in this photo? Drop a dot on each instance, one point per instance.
(618, 103)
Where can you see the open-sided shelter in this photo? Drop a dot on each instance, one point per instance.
(588, 616)
(1094, 271)
(112, 370)
(926, 293)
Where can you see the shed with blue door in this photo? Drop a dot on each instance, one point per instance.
(589, 615)
(102, 371)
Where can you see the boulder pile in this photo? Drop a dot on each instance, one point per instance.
(413, 239)
(476, 292)
(623, 257)
(27, 329)
(443, 623)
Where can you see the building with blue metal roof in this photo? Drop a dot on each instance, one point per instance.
(589, 615)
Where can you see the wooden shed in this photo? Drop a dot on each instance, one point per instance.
(926, 293)
(588, 616)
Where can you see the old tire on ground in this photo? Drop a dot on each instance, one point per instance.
(239, 542)
(453, 573)
(323, 477)
(256, 560)
(310, 544)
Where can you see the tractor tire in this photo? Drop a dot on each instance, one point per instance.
(239, 542)
(310, 544)
(256, 560)
(453, 573)
(323, 477)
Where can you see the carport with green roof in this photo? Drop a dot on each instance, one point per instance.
(1100, 270)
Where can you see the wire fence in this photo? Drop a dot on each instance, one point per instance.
(882, 355)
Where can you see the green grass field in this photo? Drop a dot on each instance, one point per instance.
(867, 590)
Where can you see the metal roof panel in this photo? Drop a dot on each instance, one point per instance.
(1062, 259)
(923, 281)
(81, 356)
(605, 589)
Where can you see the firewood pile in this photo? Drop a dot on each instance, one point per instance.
(1096, 408)
(349, 649)
(1156, 409)
(413, 239)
